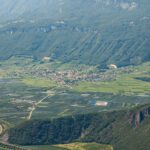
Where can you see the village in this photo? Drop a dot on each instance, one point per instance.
(68, 76)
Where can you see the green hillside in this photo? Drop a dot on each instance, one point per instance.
(91, 32)
(125, 130)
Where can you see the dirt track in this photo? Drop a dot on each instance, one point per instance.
(1, 129)
(36, 104)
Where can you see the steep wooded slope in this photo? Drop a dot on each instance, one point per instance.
(125, 130)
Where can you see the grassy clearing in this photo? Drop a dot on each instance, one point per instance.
(2, 74)
(85, 146)
(37, 82)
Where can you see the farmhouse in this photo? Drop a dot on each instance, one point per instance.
(101, 103)
(112, 66)
(46, 58)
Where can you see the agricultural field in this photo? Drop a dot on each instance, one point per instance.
(32, 89)
(125, 84)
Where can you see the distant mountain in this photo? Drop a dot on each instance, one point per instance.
(19, 9)
(15, 9)
(93, 32)
(125, 130)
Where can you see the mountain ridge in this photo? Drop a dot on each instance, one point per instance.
(20, 8)
(91, 32)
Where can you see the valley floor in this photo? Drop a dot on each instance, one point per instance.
(33, 90)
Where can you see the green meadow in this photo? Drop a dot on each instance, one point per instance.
(38, 82)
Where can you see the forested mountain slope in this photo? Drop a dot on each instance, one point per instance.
(95, 32)
(125, 130)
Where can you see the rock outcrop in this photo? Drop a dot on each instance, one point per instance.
(137, 118)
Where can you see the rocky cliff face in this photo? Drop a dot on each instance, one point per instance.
(137, 118)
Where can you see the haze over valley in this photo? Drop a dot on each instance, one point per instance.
(74, 75)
